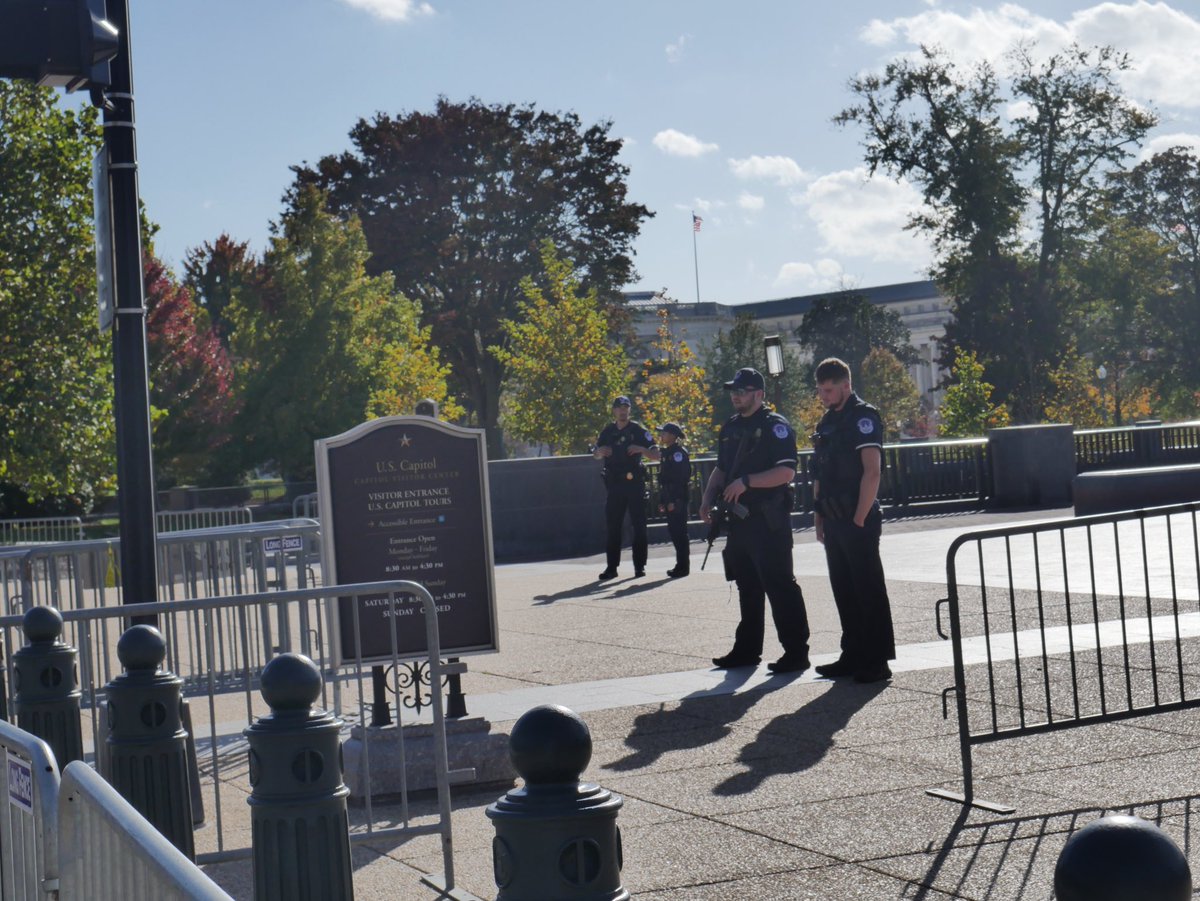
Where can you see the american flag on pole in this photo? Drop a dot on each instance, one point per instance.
(696, 220)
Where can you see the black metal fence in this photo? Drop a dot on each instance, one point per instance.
(913, 472)
(1148, 444)
(1071, 622)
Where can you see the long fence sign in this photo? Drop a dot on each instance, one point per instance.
(406, 497)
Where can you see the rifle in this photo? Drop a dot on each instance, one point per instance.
(720, 513)
(721, 510)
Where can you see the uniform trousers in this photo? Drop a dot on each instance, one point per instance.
(627, 497)
(758, 556)
(856, 576)
(677, 528)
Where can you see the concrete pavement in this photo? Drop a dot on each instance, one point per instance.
(744, 785)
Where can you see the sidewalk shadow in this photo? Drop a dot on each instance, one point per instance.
(1024, 841)
(595, 589)
(686, 726)
(817, 721)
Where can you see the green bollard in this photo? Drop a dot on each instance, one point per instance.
(300, 829)
(556, 838)
(147, 744)
(46, 680)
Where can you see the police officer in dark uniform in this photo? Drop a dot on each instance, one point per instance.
(622, 445)
(674, 481)
(756, 463)
(847, 467)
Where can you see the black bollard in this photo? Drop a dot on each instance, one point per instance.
(46, 683)
(300, 830)
(1122, 858)
(147, 744)
(556, 838)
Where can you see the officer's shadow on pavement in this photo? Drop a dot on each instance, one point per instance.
(813, 726)
(702, 718)
(600, 589)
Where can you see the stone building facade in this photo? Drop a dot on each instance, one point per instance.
(922, 308)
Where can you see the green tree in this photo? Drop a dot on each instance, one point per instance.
(848, 326)
(56, 422)
(456, 204)
(928, 121)
(741, 346)
(884, 381)
(316, 341)
(215, 273)
(674, 388)
(563, 369)
(1162, 196)
(967, 410)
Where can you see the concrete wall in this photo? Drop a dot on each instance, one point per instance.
(1032, 465)
(1109, 491)
(546, 507)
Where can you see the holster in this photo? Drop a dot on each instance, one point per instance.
(727, 563)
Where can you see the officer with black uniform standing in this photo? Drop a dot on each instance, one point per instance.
(674, 480)
(622, 445)
(847, 467)
(756, 463)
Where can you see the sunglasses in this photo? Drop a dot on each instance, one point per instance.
(742, 392)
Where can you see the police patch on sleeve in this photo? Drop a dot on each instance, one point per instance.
(649, 438)
(866, 426)
(678, 458)
(780, 430)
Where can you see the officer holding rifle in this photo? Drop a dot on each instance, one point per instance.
(749, 493)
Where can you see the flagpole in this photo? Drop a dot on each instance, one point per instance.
(695, 255)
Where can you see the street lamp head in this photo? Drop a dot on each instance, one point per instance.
(773, 345)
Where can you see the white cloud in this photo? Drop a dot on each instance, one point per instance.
(700, 205)
(1166, 142)
(865, 217)
(675, 50)
(676, 143)
(394, 10)
(1161, 41)
(980, 35)
(750, 202)
(783, 170)
(809, 277)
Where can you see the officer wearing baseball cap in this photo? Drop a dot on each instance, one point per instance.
(674, 478)
(622, 445)
(756, 463)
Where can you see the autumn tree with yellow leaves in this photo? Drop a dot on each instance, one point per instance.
(674, 388)
(562, 369)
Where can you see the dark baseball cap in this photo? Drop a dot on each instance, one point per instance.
(622, 401)
(746, 378)
(672, 427)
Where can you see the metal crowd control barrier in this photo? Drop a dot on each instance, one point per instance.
(28, 821)
(40, 530)
(107, 850)
(193, 563)
(1070, 622)
(202, 518)
(222, 643)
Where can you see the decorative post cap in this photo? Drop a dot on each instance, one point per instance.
(550, 744)
(291, 683)
(141, 648)
(42, 625)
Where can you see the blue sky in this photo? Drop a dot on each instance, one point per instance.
(726, 109)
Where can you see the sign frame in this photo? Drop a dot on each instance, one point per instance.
(329, 562)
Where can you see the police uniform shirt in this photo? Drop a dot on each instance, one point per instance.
(675, 469)
(623, 464)
(840, 438)
(770, 442)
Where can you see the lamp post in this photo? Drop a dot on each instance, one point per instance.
(1102, 374)
(773, 345)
